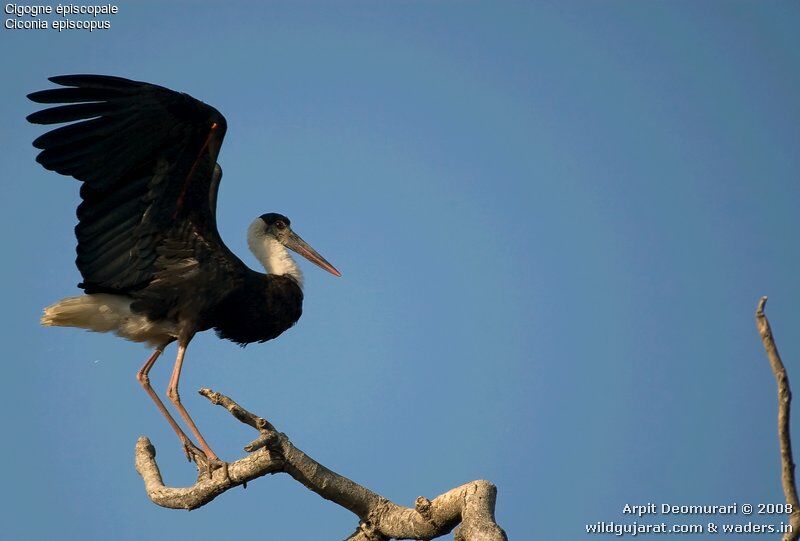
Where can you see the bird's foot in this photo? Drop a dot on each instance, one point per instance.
(206, 463)
(192, 452)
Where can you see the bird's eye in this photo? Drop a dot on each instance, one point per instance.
(280, 225)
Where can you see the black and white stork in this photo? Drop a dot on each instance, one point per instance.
(154, 266)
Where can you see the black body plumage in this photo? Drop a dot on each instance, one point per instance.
(147, 160)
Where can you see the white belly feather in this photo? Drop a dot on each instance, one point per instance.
(102, 312)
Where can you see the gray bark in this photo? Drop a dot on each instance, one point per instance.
(784, 409)
(470, 506)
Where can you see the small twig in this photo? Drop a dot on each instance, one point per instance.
(472, 505)
(784, 410)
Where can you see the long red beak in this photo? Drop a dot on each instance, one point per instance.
(295, 243)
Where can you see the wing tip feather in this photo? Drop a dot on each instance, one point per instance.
(39, 117)
(92, 80)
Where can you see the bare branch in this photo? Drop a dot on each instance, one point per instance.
(784, 409)
(472, 505)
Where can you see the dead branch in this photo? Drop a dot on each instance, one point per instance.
(784, 409)
(471, 505)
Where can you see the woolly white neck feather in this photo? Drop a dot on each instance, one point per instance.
(271, 253)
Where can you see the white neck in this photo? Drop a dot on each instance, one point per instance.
(271, 253)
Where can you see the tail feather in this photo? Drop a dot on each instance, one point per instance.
(101, 312)
(91, 312)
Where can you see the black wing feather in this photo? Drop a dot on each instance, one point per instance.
(73, 95)
(147, 158)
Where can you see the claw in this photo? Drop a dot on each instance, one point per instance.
(207, 466)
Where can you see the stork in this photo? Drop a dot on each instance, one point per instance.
(154, 266)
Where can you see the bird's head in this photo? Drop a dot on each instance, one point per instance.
(271, 232)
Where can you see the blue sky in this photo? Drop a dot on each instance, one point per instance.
(553, 220)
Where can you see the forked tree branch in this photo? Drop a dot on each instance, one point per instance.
(784, 410)
(471, 505)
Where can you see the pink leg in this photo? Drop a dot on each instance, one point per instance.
(172, 393)
(144, 379)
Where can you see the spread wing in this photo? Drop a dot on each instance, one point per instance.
(147, 157)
